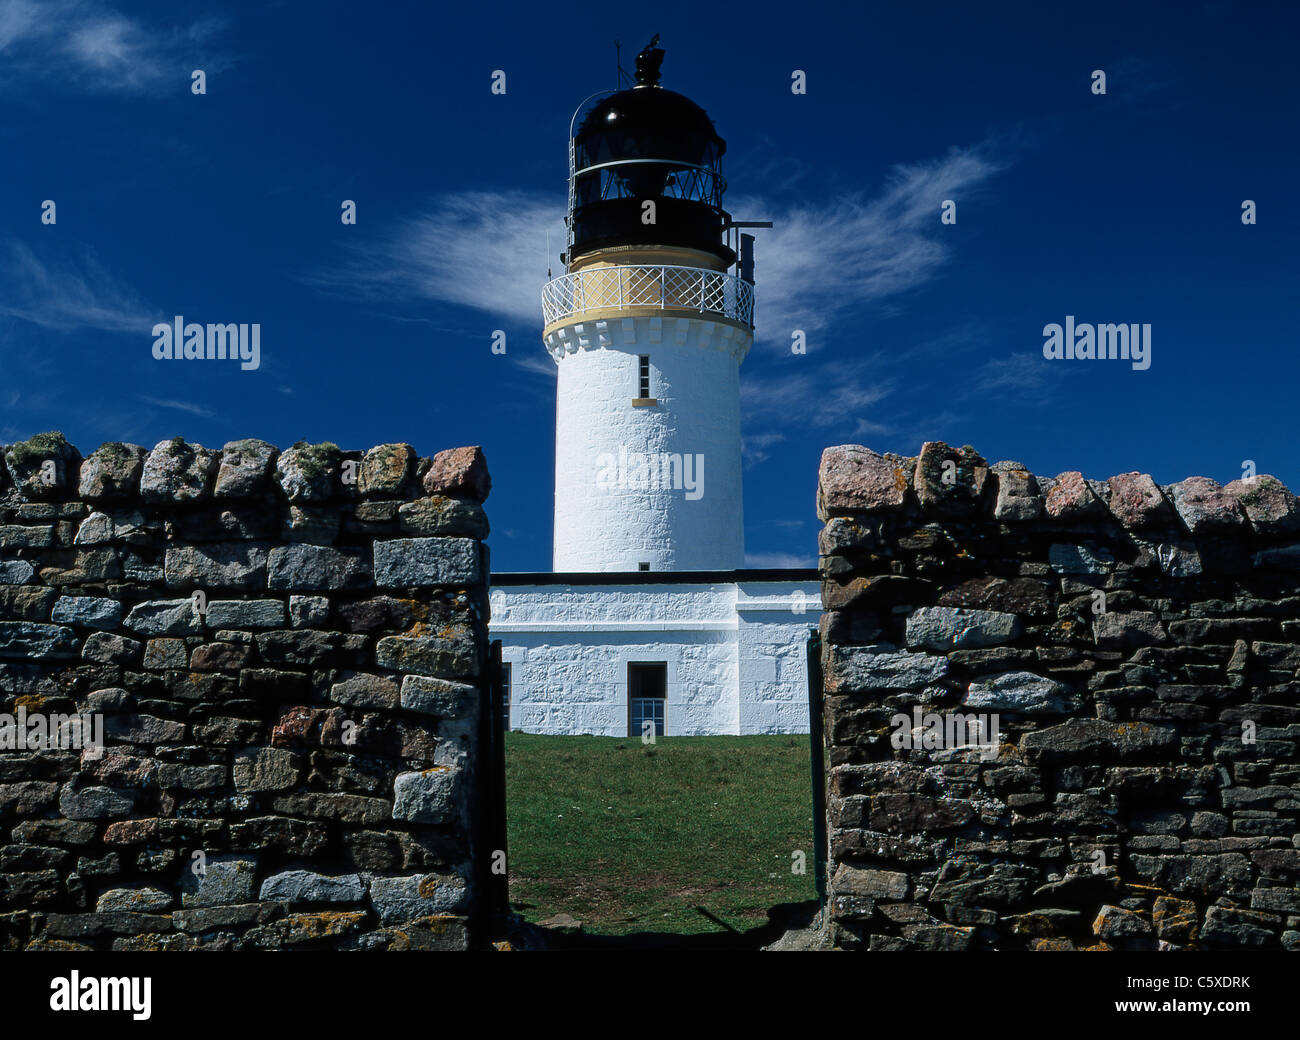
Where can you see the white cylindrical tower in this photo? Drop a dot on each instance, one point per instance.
(649, 328)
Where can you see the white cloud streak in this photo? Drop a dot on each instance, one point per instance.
(481, 250)
(73, 295)
(90, 45)
(487, 250)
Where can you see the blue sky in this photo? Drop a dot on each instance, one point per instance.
(225, 208)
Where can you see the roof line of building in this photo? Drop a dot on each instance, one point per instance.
(653, 577)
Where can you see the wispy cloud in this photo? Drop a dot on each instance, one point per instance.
(89, 44)
(180, 406)
(481, 250)
(487, 250)
(69, 295)
(1018, 375)
(822, 260)
(839, 395)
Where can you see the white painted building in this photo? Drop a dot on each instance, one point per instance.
(650, 619)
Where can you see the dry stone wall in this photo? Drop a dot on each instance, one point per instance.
(1137, 648)
(286, 652)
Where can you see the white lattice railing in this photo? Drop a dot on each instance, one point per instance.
(620, 288)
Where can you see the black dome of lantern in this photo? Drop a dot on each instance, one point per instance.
(648, 143)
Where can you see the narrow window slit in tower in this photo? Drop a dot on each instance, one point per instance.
(643, 397)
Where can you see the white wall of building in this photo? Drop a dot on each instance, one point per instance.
(695, 382)
(735, 654)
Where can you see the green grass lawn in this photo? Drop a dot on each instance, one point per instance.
(633, 838)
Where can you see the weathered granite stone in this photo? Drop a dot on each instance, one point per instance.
(314, 568)
(448, 700)
(306, 886)
(868, 668)
(949, 482)
(1136, 501)
(854, 479)
(88, 611)
(460, 473)
(361, 690)
(97, 924)
(876, 884)
(44, 467)
(874, 590)
(442, 516)
(245, 469)
(1225, 926)
(956, 628)
(452, 654)
(209, 918)
(94, 803)
(164, 653)
(1018, 497)
(1080, 559)
(27, 797)
(429, 796)
(1117, 630)
(177, 776)
(223, 880)
(1175, 919)
(299, 837)
(245, 613)
(1204, 506)
(17, 536)
(220, 565)
(113, 470)
(307, 611)
(1116, 922)
(144, 729)
(415, 562)
(309, 472)
(1072, 496)
(165, 617)
(28, 639)
(385, 469)
(96, 529)
(16, 572)
(400, 899)
(221, 657)
(1268, 505)
(1022, 692)
(265, 769)
(346, 808)
(1096, 740)
(314, 524)
(178, 472)
(27, 602)
(110, 648)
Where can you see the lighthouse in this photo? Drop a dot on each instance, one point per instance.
(648, 327)
(650, 624)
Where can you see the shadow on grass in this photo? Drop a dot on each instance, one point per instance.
(780, 919)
